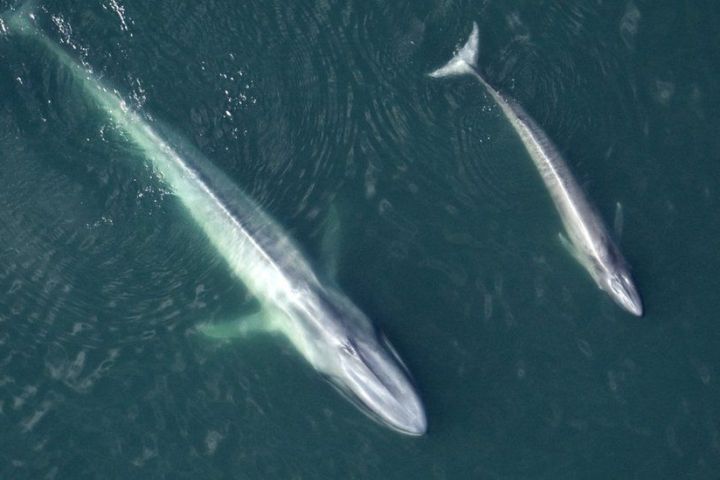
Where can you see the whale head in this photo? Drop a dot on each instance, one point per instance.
(613, 276)
(378, 383)
(619, 285)
(363, 366)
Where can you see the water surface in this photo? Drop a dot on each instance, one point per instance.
(448, 240)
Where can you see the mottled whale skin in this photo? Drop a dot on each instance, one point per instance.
(589, 240)
(323, 325)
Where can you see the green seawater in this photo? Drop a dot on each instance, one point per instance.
(447, 239)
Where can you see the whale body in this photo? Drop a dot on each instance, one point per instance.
(589, 240)
(322, 324)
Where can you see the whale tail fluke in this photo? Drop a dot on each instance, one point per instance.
(465, 61)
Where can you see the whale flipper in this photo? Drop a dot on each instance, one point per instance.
(619, 220)
(570, 248)
(330, 243)
(262, 321)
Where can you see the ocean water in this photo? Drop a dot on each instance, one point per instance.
(447, 239)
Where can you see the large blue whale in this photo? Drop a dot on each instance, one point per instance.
(323, 325)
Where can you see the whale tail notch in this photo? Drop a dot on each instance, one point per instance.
(465, 61)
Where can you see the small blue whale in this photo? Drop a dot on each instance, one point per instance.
(589, 241)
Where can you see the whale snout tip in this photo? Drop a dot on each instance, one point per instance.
(418, 429)
(636, 308)
(623, 291)
(376, 377)
(404, 413)
(630, 301)
(415, 425)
